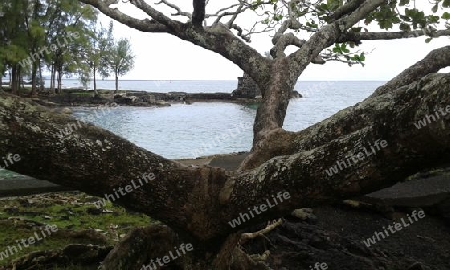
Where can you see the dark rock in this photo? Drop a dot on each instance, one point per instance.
(296, 94)
(121, 100)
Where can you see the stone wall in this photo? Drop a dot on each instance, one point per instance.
(247, 88)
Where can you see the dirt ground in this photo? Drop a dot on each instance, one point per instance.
(336, 237)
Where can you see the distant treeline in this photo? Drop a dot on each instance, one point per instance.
(61, 36)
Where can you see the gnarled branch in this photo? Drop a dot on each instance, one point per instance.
(356, 37)
(199, 202)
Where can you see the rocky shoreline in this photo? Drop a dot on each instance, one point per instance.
(79, 97)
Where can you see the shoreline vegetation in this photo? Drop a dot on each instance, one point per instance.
(77, 97)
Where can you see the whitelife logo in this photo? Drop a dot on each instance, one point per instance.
(124, 191)
(9, 160)
(243, 217)
(24, 243)
(168, 258)
(393, 229)
(344, 164)
(428, 119)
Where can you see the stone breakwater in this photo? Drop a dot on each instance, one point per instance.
(79, 97)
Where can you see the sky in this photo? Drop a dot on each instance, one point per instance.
(164, 57)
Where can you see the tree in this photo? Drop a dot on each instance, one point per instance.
(14, 38)
(197, 203)
(67, 23)
(100, 41)
(36, 31)
(119, 60)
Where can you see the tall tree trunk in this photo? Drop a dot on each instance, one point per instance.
(14, 82)
(42, 82)
(281, 142)
(117, 84)
(52, 79)
(33, 79)
(95, 82)
(60, 74)
(272, 112)
(20, 79)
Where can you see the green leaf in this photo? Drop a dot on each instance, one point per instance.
(446, 16)
(362, 57)
(446, 4)
(435, 8)
(404, 2)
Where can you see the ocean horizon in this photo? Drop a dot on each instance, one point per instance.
(202, 86)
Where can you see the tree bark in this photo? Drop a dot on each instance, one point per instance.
(41, 87)
(280, 142)
(33, 79)
(95, 82)
(117, 84)
(52, 80)
(14, 82)
(199, 202)
(60, 74)
(272, 111)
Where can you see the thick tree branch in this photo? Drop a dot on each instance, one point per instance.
(283, 42)
(345, 10)
(156, 15)
(218, 38)
(271, 113)
(221, 40)
(340, 124)
(389, 117)
(145, 25)
(432, 63)
(356, 37)
(201, 201)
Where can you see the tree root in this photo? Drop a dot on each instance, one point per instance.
(270, 227)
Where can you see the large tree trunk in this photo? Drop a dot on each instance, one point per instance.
(52, 80)
(272, 112)
(198, 203)
(280, 142)
(41, 87)
(95, 82)
(117, 84)
(14, 82)
(60, 74)
(33, 79)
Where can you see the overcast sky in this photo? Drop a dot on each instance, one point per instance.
(165, 57)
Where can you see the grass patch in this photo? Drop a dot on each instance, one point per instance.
(72, 212)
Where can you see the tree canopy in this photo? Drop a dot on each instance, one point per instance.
(63, 36)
